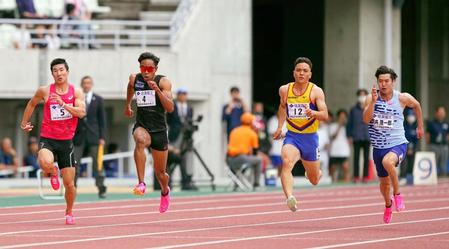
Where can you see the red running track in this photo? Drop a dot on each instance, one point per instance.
(333, 217)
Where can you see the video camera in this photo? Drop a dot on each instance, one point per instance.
(191, 126)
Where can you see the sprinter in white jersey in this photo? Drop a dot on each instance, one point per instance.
(384, 115)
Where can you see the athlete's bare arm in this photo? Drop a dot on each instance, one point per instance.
(129, 96)
(164, 93)
(369, 105)
(408, 100)
(39, 96)
(78, 109)
(317, 94)
(282, 112)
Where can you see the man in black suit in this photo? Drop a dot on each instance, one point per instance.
(177, 121)
(90, 133)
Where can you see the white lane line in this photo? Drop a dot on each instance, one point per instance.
(381, 240)
(205, 201)
(226, 208)
(200, 218)
(321, 191)
(233, 227)
(239, 226)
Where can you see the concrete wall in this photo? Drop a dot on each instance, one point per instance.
(341, 51)
(19, 73)
(212, 56)
(355, 46)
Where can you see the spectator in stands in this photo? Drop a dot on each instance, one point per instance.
(357, 132)
(9, 155)
(233, 110)
(437, 136)
(47, 38)
(70, 31)
(30, 159)
(340, 149)
(27, 10)
(21, 38)
(81, 12)
(243, 146)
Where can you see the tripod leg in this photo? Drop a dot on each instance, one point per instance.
(212, 177)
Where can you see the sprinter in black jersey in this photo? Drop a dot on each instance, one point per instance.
(154, 98)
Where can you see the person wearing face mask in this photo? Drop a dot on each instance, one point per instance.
(357, 132)
(410, 126)
(437, 137)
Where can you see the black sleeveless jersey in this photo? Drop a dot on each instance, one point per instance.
(150, 112)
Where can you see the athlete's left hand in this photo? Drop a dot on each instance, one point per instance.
(419, 132)
(153, 86)
(57, 98)
(310, 113)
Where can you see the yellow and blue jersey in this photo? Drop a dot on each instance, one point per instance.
(297, 120)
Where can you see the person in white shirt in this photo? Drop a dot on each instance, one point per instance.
(340, 148)
(324, 143)
(276, 145)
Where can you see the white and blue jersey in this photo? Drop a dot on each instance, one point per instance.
(386, 128)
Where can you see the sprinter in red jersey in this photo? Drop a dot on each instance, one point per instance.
(63, 105)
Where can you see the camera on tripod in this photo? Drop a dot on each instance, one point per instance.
(191, 126)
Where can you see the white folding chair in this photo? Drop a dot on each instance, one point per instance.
(238, 178)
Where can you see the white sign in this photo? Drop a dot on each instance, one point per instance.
(424, 169)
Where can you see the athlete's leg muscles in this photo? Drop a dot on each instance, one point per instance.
(385, 189)
(46, 161)
(143, 140)
(313, 171)
(68, 177)
(389, 162)
(290, 155)
(160, 164)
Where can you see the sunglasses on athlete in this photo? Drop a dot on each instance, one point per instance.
(149, 69)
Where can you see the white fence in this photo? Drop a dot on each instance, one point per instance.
(87, 34)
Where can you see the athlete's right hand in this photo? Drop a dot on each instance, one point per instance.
(374, 94)
(128, 111)
(278, 134)
(27, 128)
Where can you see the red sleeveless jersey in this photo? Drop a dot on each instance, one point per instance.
(59, 123)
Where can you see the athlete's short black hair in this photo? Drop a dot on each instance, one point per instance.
(58, 61)
(303, 60)
(150, 56)
(386, 70)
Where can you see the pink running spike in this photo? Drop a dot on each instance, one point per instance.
(399, 202)
(54, 180)
(165, 202)
(69, 219)
(388, 213)
(140, 189)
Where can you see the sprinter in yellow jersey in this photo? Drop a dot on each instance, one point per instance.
(302, 106)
